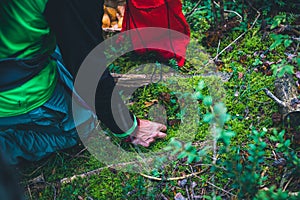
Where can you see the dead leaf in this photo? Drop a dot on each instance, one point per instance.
(243, 58)
(148, 104)
(173, 122)
(164, 96)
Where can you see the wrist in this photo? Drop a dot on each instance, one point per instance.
(131, 137)
(130, 131)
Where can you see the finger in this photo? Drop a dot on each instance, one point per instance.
(150, 140)
(163, 128)
(140, 142)
(160, 135)
(144, 143)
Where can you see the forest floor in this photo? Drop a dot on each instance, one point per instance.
(246, 156)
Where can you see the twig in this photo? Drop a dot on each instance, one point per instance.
(80, 152)
(234, 41)
(275, 155)
(294, 193)
(257, 17)
(272, 96)
(37, 169)
(173, 178)
(91, 173)
(193, 10)
(44, 183)
(283, 179)
(287, 184)
(227, 192)
(263, 174)
(210, 165)
(218, 49)
(230, 11)
(187, 192)
(29, 191)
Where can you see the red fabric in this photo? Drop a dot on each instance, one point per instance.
(158, 13)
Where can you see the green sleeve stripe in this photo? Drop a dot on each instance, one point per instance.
(130, 131)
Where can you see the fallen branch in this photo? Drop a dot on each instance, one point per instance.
(287, 184)
(272, 96)
(138, 80)
(97, 171)
(91, 173)
(173, 178)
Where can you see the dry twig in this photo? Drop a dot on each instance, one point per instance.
(272, 96)
(287, 184)
(91, 173)
(193, 10)
(174, 178)
(227, 192)
(239, 37)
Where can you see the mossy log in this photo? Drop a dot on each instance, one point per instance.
(286, 96)
(286, 91)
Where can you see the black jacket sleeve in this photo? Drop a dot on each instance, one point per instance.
(77, 25)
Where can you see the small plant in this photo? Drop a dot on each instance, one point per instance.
(282, 68)
(280, 39)
(241, 165)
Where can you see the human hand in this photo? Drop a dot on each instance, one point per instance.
(147, 132)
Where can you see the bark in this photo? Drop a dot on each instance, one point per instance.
(286, 91)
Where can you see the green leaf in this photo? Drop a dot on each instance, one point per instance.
(198, 95)
(207, 101)
(208, 117)
(182, 155)
(188, 146)
(190, 159)
(279, 146)
(275, 44)
(168, 148)
(201, 85)
(273, 138)
(287, 42)
(298, 61)
(281, 134)
(287, 143)
(229, 134)
(257, 62)
(275, 24)
(289, 69)
(251, 158)
(274, 68)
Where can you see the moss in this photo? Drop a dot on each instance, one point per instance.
(245, 100)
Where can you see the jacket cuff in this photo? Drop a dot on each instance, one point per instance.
(130, 131)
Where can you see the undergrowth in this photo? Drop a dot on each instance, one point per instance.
(237, 151)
